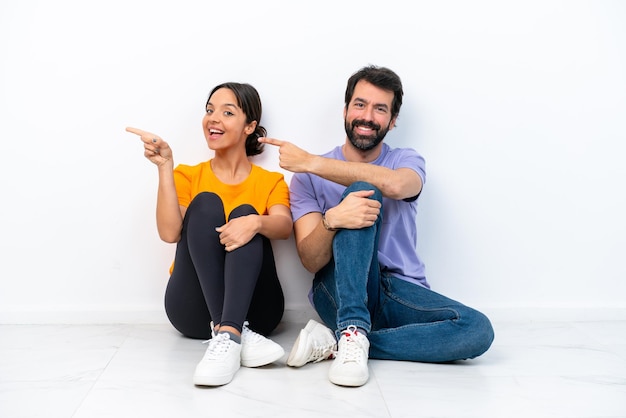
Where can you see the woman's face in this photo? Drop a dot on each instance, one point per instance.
(224, 123)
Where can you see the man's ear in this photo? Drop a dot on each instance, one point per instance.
(392, 123)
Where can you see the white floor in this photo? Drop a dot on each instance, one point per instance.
(534, 369)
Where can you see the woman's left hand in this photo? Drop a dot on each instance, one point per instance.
(238, 231)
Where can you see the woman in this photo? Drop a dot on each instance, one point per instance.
(222, 214)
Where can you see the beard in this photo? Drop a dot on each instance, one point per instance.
(365, 142)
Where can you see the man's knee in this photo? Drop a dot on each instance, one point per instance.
(363, 185)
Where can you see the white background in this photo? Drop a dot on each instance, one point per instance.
(518, 107)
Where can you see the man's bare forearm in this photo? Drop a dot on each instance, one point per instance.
(315, 250)
(395, 184)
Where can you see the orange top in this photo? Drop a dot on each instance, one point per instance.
(262, 189)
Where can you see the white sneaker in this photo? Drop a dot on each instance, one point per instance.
(350, 366)
(220, 362)
(314, 343)
(256, 350)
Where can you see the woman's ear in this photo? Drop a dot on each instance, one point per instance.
(250, 128)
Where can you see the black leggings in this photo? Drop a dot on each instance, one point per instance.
(209, 283)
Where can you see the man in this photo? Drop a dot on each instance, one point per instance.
(354, 210)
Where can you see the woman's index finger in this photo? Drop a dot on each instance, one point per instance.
(137, 131)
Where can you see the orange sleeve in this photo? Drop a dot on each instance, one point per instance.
(182, 180)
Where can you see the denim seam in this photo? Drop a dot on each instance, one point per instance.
(392, 296)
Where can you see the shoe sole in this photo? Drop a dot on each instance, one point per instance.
(297, 352)
(353, 382)
(213, 380)
(262, 361)
(342, 379)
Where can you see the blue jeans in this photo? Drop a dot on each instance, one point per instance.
(404, 321)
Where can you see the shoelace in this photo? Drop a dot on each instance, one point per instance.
(218, 346)
(352, 348)
(322, 352)
(250, 336)
(246, 334)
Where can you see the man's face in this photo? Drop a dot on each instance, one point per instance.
(367, 117)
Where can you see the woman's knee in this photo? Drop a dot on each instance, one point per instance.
(242, 210)
(206, 199)
(207, 206)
